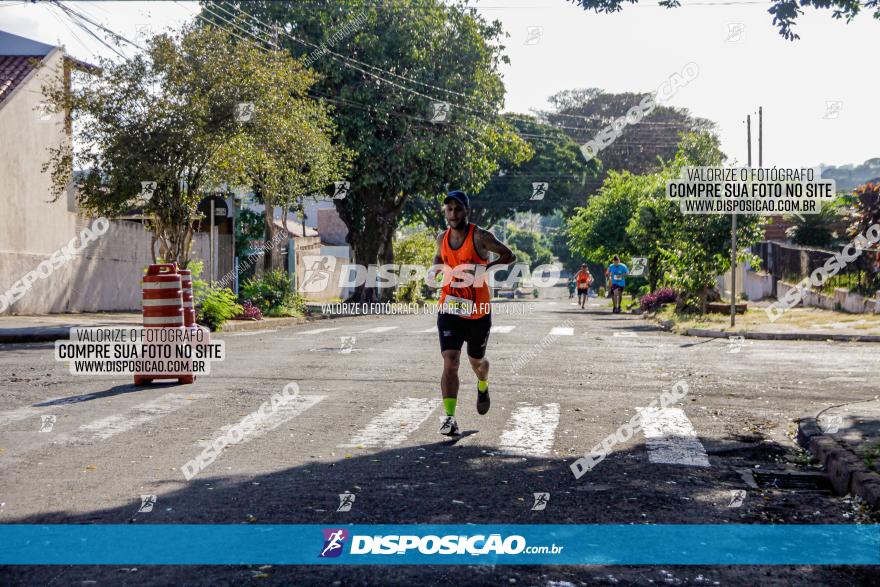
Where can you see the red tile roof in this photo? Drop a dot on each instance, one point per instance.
(13, 70)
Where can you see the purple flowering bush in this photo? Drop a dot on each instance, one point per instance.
(652, 301)
(249, 312)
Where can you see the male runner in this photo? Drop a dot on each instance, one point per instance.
(465, 310)
(617, 271)
(583, 279)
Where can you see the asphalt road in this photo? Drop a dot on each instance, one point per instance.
(366, 422)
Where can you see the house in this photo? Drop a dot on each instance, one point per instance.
(44, 267)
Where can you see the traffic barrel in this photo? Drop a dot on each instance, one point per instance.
(163, 308)
(189, 313)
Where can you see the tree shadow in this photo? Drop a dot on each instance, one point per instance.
(457, 482)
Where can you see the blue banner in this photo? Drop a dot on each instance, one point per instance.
(186, 544)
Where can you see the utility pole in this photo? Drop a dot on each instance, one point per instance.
(760, 136)
(733, 232)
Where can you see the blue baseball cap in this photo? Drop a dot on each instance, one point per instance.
(460, 197)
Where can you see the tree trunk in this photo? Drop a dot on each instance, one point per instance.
(269, 223)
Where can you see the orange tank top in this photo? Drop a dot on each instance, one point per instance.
(463, 255)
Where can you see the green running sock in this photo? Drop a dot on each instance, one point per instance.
(482, 385)
(449, 405)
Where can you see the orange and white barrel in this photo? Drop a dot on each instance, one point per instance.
(189, 313)
(163, 297)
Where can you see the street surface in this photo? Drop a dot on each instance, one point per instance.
(366, 422)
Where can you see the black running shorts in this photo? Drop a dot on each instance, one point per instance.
(455, 330)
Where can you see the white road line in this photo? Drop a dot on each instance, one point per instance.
(42, 407)
(377, 329)
(392, 426)
(253, 333)
(531, 431)
(502, 329)
(140, 414)
(282, 414)
(671, 438)
(319, 330)
(562, 331)
(431, 329)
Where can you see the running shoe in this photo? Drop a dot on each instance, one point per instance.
(449, 426)
(483, 401)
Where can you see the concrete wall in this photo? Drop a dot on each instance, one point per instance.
(840, 300)
(106, 275)
(757, 285)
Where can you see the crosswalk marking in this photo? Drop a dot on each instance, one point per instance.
(256, 332)
(431, 329)
(140, 414)
(531, 430)
(378, 329)
(282, 414)
(319, 330)
(19, 414)
(671, 438)
(562, 331)
(503, 329)
(392, 426)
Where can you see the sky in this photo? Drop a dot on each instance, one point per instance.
(819, 94)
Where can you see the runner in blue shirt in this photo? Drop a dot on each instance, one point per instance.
(617, 271)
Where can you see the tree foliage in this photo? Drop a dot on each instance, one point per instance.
(409, 57)
(785, 12)
(632, 215)
(169, 116)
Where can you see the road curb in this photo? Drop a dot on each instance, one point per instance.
(810, 336)
(845, 470)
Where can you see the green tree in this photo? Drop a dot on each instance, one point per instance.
(557, 162)
(414, 249)
(785, 12)
(533, 244)
(597, 231)
(641, 148)
(410, 56)
(169, 116)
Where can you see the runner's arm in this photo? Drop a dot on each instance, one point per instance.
(488, 242)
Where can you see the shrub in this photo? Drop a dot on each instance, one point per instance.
(217, 307)
(655, 299)
(272, 294)
(249, 312)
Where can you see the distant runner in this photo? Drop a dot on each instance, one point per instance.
(465, 312)
(617, 271)
(583, 279)
(571, 287)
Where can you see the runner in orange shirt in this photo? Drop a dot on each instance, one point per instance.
(465, 310)
(583, 279)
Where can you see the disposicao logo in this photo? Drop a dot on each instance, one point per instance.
(333, 542)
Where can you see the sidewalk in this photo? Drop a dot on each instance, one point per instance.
(52, 327)
(845, 440)
(795, 324)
